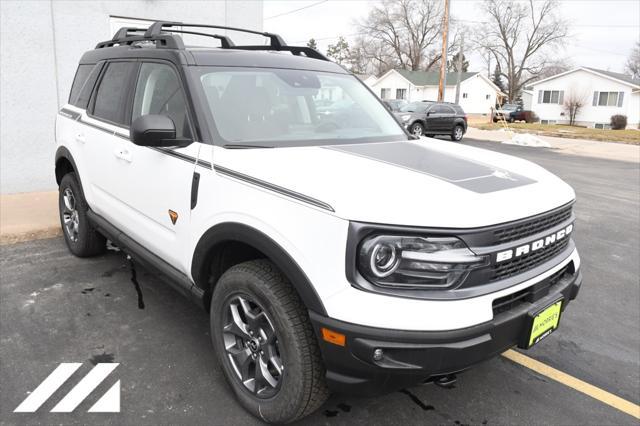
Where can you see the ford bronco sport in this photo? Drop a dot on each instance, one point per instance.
(333, 251)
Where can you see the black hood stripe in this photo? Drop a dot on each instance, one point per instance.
(465, 173)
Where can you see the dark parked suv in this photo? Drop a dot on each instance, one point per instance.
(433, 118)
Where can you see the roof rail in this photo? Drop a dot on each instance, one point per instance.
(161, 33)
(156, 28)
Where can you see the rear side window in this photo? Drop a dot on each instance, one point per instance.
(112, 94)
(83, 83)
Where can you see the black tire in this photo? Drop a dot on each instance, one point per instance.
(81, 238)
(512, 120)
(457, 133)
(301, 387)
(416, 129)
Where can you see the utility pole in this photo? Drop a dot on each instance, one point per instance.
(443, 65)
(460, 56)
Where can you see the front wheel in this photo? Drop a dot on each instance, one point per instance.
(264, 341)
(417, 129)
(457, 133)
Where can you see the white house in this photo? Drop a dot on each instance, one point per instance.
(477, 93)
(41, 43)
(603, 93)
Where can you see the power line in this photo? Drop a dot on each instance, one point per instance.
(296, 10)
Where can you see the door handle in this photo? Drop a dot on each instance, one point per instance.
(123, 154)
(80, 138)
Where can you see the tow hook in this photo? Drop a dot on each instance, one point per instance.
(447, 381)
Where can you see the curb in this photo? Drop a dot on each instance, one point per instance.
(21, 237)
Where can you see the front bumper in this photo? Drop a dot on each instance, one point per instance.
(412, 357)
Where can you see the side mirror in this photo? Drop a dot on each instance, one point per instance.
(428, 113)
(156, 130)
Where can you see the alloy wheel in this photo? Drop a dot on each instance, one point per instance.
(251, 345)
(458, 133)
(70, 215)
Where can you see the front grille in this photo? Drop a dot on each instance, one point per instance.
(526, 295)
(533, 226)
(528, 261)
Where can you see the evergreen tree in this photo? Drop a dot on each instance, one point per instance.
(497, 79)
(339, 52)
(312, 44)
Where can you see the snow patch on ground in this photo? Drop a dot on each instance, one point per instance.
(527, 139)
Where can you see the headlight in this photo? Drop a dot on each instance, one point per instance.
(406, 117)
(416, 262)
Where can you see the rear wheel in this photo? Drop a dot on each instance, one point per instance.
(417, 129)
(457, 133)
(81, 238)
(263, 338)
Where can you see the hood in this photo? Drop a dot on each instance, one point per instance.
(427, 183)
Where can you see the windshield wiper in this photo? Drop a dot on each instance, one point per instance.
(243, 146)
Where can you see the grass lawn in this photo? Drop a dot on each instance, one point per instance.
(630, 136)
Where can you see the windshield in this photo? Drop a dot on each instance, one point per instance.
(269, 107)
(509, 107)
(415, 107)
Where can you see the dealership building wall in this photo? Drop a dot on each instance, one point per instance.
(40, 45)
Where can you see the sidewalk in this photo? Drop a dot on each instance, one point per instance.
(28, 216)
(604, 150)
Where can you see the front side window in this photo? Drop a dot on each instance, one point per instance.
(112, 94)
(286, 107)
(158, 91)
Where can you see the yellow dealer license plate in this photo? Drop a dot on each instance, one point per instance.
(545, 323)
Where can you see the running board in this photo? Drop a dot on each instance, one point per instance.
(141, 254)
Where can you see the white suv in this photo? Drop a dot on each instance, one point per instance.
(333, 251)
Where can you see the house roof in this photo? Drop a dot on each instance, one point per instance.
(623, 78)
(432, 78)
(617, 75)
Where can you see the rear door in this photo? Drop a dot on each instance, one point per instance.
(105, 118)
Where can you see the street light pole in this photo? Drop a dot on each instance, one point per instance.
(443, 65)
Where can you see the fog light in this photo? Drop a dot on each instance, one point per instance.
(378, 354)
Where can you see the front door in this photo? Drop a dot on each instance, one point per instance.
(157, 190)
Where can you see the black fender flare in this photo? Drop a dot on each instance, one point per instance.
(233, 231)
(63, 152)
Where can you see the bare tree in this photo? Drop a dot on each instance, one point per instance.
(403, 34)
(573, 103)
(633, 63)
(554, 67)
(517, 34)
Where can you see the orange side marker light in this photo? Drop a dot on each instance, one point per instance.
(334, 337)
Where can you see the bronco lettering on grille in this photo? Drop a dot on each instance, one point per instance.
(533, 246)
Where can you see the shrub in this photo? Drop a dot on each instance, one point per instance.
(530, 117)
(618, 122)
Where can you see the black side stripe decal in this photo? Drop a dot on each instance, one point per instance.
(272, 187)
(68, 113)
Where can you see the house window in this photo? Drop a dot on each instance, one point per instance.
(465, 95)
(608, 98)
(551, 97)
(603, 126)
(547, 121)
(385, 93)
(401, 93)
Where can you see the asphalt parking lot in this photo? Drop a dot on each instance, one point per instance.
(56, 308)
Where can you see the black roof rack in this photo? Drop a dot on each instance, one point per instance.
(160, 33)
